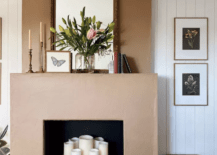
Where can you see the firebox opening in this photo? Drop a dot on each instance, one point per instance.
(58, 132)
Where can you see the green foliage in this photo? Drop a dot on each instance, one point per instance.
(74, 36)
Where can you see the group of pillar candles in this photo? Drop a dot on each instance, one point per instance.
(86, 145)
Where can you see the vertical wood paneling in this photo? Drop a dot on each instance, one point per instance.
(180, 110)
(161, 68)
(11, 13)
(209, 111)
(215, 105)
(200, 111)
(171, 119)
(194, 127)
(190, 111)
(162, 114)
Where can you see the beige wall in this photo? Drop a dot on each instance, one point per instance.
(34, 12)
(135, 31)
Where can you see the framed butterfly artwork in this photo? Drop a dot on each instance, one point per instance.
(58, 61)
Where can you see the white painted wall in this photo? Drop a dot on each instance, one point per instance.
(11, 13)
(191, 130)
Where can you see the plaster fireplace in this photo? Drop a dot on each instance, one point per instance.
(47, 105)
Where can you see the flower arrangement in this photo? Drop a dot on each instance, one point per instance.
(86, 38)
(190, 35)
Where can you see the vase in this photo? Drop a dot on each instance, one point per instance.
(79, 61)
(89, 62)
(82, 62)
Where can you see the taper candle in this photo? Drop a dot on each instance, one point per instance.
(96, 142)
(76, 152)
(85, 144)
(94, 152)
(103, 148)
(30, 40)
(41, 32)
(68, 146)
(75, 140)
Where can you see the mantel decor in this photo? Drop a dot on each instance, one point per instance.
(191, 38)
(58, 62)
(87, 38)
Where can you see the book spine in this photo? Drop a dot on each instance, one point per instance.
(127, 64)
(115, 62)
(122, 64)
(119, 63)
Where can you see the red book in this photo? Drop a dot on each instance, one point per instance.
(115, 62)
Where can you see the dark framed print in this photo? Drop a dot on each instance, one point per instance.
(58, 61)
(191, 38)
(191, 84)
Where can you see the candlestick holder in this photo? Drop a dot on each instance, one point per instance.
(41, 59)
(30, 62)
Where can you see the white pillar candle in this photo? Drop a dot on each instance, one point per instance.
(76, 152)
(85, 144)
(41, 32)
(103, 148)
(30, 40)
(68, 146)
(94, 152)
(75, 140)
(96, 142)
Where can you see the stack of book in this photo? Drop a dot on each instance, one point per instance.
(119, 61)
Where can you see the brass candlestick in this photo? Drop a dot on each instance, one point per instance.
(30, 61)
(41, 59)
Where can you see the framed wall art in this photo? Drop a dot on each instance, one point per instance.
(191, 38)
(191, 84)
(0, 38)
(58, 62)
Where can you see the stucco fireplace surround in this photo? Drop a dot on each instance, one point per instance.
(36, 98)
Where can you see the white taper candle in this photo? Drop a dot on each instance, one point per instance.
(30, 40)
(41, 32)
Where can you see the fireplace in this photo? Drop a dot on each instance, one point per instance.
(58, 132)
(39, 99)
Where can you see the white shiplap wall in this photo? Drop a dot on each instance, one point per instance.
(11, 14)
(183, 130)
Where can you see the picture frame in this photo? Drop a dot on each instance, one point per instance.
(191, 38)
(58, 61)
(0, 38)
(191, 84)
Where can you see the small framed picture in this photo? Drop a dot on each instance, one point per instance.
(191, 39)
(191, 84)
(58, 61)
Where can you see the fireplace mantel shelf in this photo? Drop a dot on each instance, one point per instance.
(131, 98)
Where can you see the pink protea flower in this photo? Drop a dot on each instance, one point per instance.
(91, 34)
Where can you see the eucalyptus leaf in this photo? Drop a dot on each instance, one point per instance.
(94, 19)
(61, 28)
(64, 21)
(52, 29)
